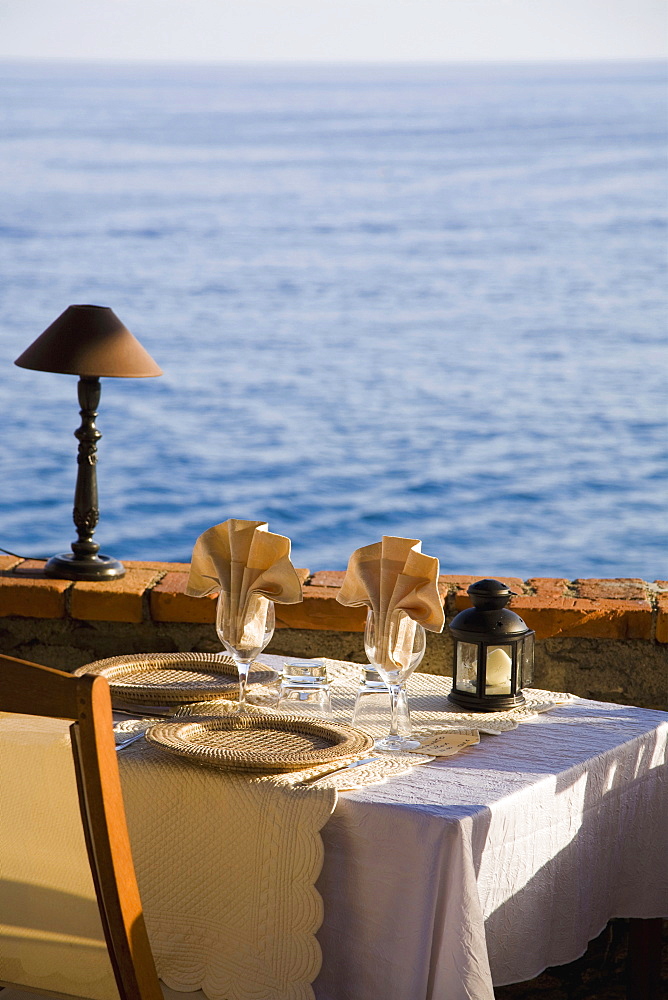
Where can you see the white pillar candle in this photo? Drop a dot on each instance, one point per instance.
(499, 667)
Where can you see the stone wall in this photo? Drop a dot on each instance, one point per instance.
(603, 639)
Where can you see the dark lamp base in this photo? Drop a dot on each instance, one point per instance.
(67, 566)
(486, 703)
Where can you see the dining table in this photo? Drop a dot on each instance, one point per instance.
(438, 882)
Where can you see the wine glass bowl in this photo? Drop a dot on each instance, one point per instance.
(395, 652)
(245, 633)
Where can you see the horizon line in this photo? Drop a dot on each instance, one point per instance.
(310, 62)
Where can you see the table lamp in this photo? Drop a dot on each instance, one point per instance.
(493, 651)
(88, 341)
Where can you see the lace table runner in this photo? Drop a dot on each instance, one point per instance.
(431, 712)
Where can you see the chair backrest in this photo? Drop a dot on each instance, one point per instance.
(27, 689)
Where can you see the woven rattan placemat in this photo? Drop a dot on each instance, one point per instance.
(259, 742)
(173, 678)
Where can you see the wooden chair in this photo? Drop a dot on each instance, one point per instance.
(27, 689)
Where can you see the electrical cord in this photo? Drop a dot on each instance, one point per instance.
(17, 556)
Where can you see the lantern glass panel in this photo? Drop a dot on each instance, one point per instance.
(498, 674)
(527, 660)
(467, 667)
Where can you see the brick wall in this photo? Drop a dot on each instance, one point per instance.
(606, 639)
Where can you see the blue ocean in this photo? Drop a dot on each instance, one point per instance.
(427, 301)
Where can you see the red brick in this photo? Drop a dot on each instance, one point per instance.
(615, 619)
(112, 600)
(547, 616)
(334, 578)
(320, 610)
(568, 616)
(170, 603)
(615, 608)
(33, 598)
(8, 562)
(26, 592)
(328, 578)
(458, 585)
(612, 590)
(549, 586)
(662, 614)
(165, 567)
(33, 568)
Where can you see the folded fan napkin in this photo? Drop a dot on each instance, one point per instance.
(390, 577)
(246, 561)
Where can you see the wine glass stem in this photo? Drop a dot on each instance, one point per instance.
(243, 669)
(395, 691)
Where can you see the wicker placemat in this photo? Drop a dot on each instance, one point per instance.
(173, 678)
(259, 742)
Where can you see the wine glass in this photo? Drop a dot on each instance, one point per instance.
(395, 654)
(244, 637)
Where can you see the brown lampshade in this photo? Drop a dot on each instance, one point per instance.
(89, 341)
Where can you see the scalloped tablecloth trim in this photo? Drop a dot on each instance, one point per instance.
(266, 835)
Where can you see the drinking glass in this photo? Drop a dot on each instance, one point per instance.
(372, 705)
(245, 637)
(395, 654)
(305, 689)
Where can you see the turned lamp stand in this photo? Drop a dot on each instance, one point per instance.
(85, 561)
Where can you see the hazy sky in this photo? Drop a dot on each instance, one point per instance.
(332, 30)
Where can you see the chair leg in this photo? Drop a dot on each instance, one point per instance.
(643, 963)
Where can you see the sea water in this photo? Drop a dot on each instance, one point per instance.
(416, 300)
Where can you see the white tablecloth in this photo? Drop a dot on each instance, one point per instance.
(483, 868)
(493, 865)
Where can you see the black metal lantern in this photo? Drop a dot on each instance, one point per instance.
(493, 651)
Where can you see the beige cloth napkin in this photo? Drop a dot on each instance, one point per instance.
(390, 577)
(246, 561)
